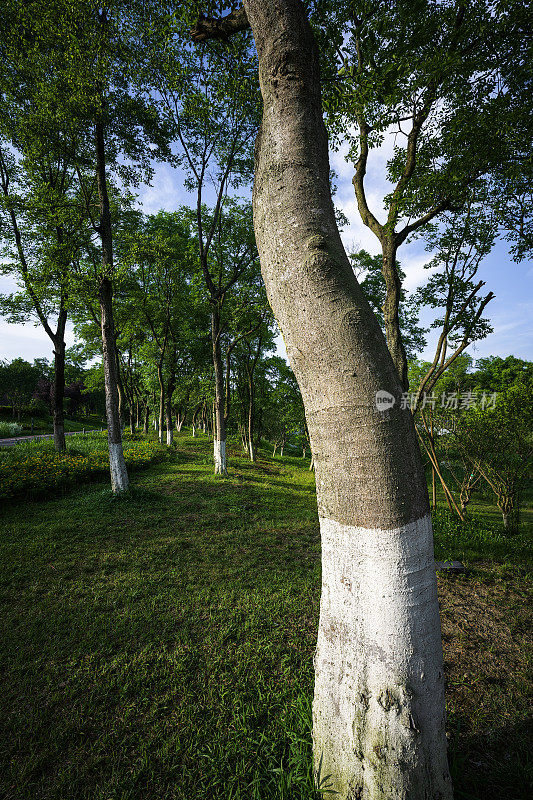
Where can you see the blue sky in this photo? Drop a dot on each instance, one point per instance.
(511, 312)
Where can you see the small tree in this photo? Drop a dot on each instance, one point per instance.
(499, 444)
(18, 381)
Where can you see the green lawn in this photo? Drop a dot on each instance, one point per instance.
(160, 645)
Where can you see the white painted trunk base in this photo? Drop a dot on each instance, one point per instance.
(219, 454)
(378, 722)
(119, 473)
(194, 430)
(169, 436)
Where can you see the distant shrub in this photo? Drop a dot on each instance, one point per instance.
(10, 429)
(35, 468)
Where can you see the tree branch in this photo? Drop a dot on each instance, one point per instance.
(212, 28)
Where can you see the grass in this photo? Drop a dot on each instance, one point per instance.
(160, 645)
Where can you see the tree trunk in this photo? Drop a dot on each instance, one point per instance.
(119, 474)
(120, 391)
(170, 429)
(251, 451)
(219, 433)
(58, 391)
(161, 400)
(378, 711)
(391, 309)
(146, 419)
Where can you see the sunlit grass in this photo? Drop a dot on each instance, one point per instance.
(159, 645)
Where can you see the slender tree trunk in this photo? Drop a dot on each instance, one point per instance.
(170, 427)
(378, 711)
(391, 309)
(161, 400)
(58, 391)
(146, 419)
(433, 473)
(251, 450)
(219, 433)
(119, 474)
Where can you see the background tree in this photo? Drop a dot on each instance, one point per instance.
(440, 77)
(18, 382)
(498, 443)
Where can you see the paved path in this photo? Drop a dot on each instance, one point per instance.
(21, 439)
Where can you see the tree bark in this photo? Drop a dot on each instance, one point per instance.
(219, 434)
(378, 711)
(119, 474)
(58, 391)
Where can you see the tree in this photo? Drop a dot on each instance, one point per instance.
(81, 64)
(229, 269)
(378, 712)
(42, 226)
(18, 381)
(450, 80)
(498, 443)
(210, 101)
(158, 253)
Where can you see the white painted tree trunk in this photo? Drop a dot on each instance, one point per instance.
(117, 465)
(169, 436)
(219, 455)
(193, 429)
(379, 684)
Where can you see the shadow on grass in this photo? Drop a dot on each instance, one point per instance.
(495, 765)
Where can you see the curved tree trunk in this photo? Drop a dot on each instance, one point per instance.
(378, 711)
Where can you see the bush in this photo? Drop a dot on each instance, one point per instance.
(10, 429)
(35, 468)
